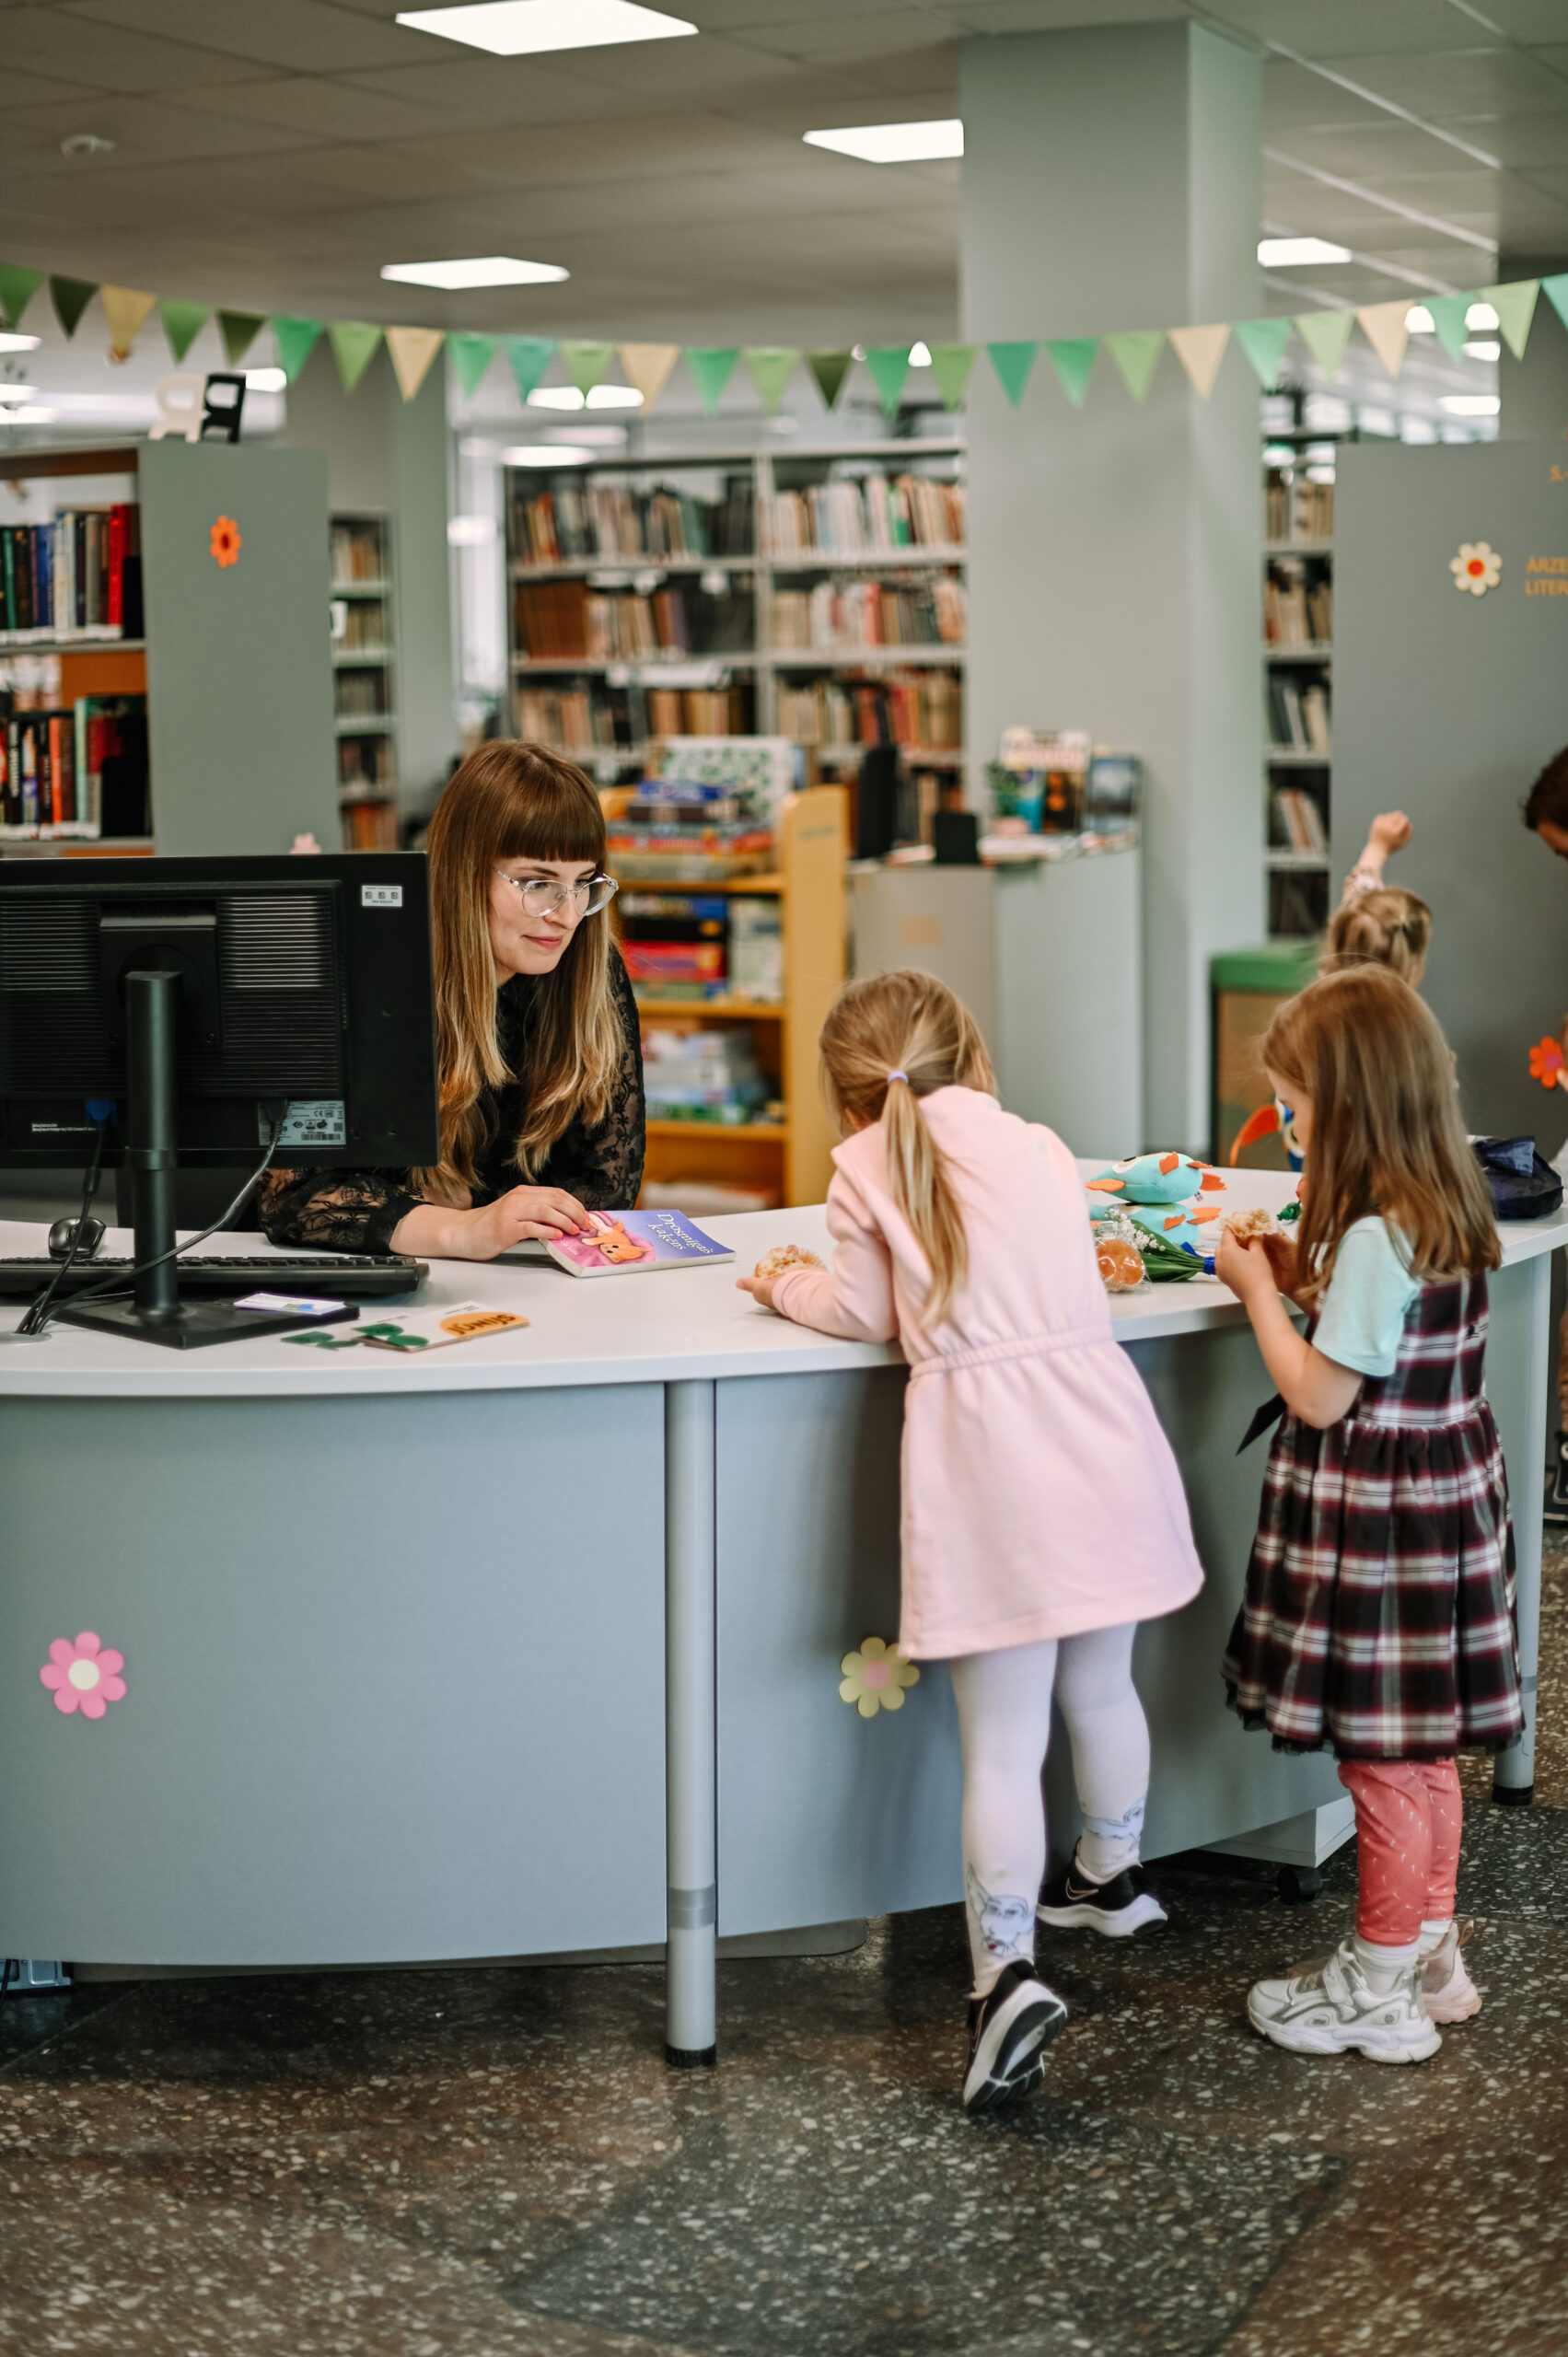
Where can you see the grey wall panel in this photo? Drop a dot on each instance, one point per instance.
(1448, 705)
(395, 1672)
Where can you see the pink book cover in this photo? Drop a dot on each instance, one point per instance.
(637, 1243)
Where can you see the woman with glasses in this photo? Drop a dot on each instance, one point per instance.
(537, 1037)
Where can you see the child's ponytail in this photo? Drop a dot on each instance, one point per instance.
(889, 1041)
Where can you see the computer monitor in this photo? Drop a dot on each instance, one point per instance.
(196, 1005)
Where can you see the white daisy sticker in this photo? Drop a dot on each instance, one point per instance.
(1477, 567)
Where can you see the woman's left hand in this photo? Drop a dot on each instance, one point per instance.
(759, 1288)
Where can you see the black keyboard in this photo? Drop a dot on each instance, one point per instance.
(341, 1276)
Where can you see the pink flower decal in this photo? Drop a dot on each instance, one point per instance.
(85, 1676)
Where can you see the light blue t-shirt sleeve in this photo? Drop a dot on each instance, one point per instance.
(1363, 1315)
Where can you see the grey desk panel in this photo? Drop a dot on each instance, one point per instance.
(822, 1814)
(395, 1673)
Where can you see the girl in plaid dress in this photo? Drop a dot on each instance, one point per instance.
(1378, 1617)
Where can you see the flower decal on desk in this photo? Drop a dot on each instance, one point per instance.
(225, 542)
(875, 1678)
(1477, 567)
(85, 1676)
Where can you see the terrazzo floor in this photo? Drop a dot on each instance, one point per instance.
(469, 2164)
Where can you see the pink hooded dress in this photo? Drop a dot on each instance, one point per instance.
(1041, 1497)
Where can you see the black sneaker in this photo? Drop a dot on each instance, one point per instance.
(1115, 1909)
(1009, 2030)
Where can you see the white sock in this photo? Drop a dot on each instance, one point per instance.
(1383, 1966)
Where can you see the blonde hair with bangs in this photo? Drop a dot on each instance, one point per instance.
(511, 800)
(909, 1025)
(1386, 1137)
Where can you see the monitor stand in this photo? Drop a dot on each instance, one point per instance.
(156, 1313)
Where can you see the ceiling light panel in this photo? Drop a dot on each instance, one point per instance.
(1298, 253)
(895, 142)
(476, 270)
(528, 28)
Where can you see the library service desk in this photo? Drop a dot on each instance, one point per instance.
(532, 1645)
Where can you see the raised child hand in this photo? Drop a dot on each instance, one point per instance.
(1390, 831)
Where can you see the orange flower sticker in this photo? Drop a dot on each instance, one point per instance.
(1547, 1064)
(224, 541)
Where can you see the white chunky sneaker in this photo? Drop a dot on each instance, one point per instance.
(1451, 1995)
(1332, 2007)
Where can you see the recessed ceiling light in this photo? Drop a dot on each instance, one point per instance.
(524, 27)
(476, 270)
(1487, 349)
(546, 454)
(265, 381)
(600, 396)
(894, 143)
(1418, 320)
(1294, 253)
(1471, 404)
(1482, 315)
(18, 342)
(19, 393)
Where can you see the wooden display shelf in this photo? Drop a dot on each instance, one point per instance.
(731, 1010)
(743, 1132)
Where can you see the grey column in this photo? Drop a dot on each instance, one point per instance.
(690, 1726)
(1112, 179)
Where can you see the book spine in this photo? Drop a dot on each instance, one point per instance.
(114, 602)
(56, 773)
(28, 766)
(79, 543)
(8, 579)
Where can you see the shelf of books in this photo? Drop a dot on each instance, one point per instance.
(1298, 618)
(364, 683)
(816, 595)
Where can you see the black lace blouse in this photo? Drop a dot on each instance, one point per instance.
(355, 1211)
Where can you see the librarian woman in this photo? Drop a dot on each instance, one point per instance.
(538, 1046)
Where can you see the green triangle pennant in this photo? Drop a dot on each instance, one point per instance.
(238, 330)
(1516, 307)
(1012, 362)
(586, 363)
(70, 297)
(711, 365)
(772, 366)
(950, 365)
(18, 288)
(354, 344)
(182, 323)
(1136, 353)
(1073, 357)
(296, 340)
(1556, 292)
(1449, 319)
(471, 356)
(1264, 342)
(530, 355)
(829, 369)
(889, 364)
(1325, 335)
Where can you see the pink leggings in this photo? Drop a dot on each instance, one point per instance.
(1409, 1816)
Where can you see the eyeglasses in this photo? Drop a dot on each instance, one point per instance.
(543, 895)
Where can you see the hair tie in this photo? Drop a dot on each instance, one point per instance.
(897, 1075)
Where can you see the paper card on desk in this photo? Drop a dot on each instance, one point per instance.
(288, 1304)
(432, 1329)
(637, 1243)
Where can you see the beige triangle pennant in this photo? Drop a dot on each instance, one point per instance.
(412, 349)
(1199, 351)
(126, 310)
(647, 368)
(1383, 325)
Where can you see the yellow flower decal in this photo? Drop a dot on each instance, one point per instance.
(1477, 567)
(224, 541)
(875, 1678)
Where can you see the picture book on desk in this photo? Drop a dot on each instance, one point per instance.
(637, 1243)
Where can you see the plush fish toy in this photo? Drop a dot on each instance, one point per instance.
(1155, 1191)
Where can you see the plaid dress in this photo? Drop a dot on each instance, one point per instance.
(1378, 1619)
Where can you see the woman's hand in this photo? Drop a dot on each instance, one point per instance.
(541, 1214)
(759, 1288)
(1249, 1273)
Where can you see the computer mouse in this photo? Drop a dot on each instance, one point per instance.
(63, 1232)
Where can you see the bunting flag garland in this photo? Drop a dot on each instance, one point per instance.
(951, 365)
(1199, 351)
(1073, 357)
(70, 297)
(126, 312)
(772, 366)
(354, 344)
(530, 355)
(411, 352)
(586, 363)
(889, 364)
(1136, 354)
(711, 366)
(1383, 325)
(1012, 362)
(1515, 306)
(182, 323)
(1325, 335)
(647, 368)
(17, 288)
(238, 330)
(1448, 320)
(471, 356)
(1264, 342)
(296, 340)
(830, 368)
(1556, 292)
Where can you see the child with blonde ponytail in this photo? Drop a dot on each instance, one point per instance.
(1043, 1515)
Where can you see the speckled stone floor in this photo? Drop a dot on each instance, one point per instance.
(498, 2165)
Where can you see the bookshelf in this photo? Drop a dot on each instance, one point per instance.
(365, 699)
(1297, 652)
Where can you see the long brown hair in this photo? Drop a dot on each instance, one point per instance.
(1386, 926)
(910, 1025)
(514, 801)
(1386, 1136)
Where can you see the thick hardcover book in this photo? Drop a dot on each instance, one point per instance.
(637, 1243)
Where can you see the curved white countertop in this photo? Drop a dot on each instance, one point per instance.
(659, 1329)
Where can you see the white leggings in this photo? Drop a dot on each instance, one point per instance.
(1005, 1728)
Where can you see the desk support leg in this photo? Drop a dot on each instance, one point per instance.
(1514, 1771)
(691, 1727)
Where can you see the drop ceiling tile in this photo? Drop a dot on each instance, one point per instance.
(330, 109)
(1341, 29)
(721, 72)
(144, 130)
(1469, 81)
(1061, 15)
(302, 36)
(18, 90)
(482, 91)
(51, 40)
(1367, 151)
(1519, 143)
(1293, 95)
